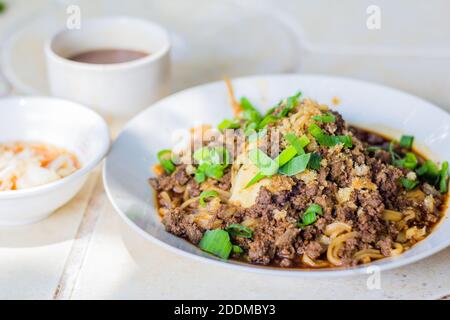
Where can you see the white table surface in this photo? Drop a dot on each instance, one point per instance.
(84, 250)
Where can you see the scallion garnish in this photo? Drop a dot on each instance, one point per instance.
(250, 113)
(266, 121)
(409, 162)
(238, 230)
(285, 156)
(207, 194)
(374, 148)
(443, 184)
(250, 129)
(216, 242)
(165, 159)
(325, 118)
(296, 165)
(314, 161)
(265, 164)
(259, 158)
(428, 168)
(228, 124)
(238, 250)
(257, 135)
(283, 108)
(297, 143)
(310, 215)
(281, 160)
(214, 171)
(200, 176)
(429, 171)
(201, 155)
(212, 163)
(327, 140)
(409, 184)
(406, 142)
(259, 176)
(288, 104)
(219, 155)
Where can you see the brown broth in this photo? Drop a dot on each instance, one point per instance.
(108, 56)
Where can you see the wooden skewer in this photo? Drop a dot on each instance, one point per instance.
(234, 103)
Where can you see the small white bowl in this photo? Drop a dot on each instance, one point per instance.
(59, 122)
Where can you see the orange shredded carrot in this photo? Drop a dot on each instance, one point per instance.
(158, 169)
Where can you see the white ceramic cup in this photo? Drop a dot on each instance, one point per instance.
(119, 89)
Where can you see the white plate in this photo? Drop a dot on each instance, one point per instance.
(371, 106)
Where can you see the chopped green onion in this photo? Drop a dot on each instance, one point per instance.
(308, 219)
(391, 150)
(216, 242)
(266, 121)
(237, 249)
(443, 185)
(304, 141)
(250, 113)
(327, 140)
(200, 176)
(201, 172)
(228, 124)
(257, 135)
(409, 162)
(2, 6)
(238, 230)
(255, 179)
(374, 148)
(409, 184)
(296, 165)
(406, 142)
(285, 156)
(289, 104)
(266, 165)
(296, 142)
(219, 155)
(326, 118)
(314, 161)
(316, 131)
(214, 171)
(216, 155)
(250, 129)
(428, 168)
(310, 215)
(247, 105)
(165, 159)
(201, 155)
(270, 111)
(259, 158)
(212, 162)
(429, 171)
(346, 140)
(207, 194)
(315, 208)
